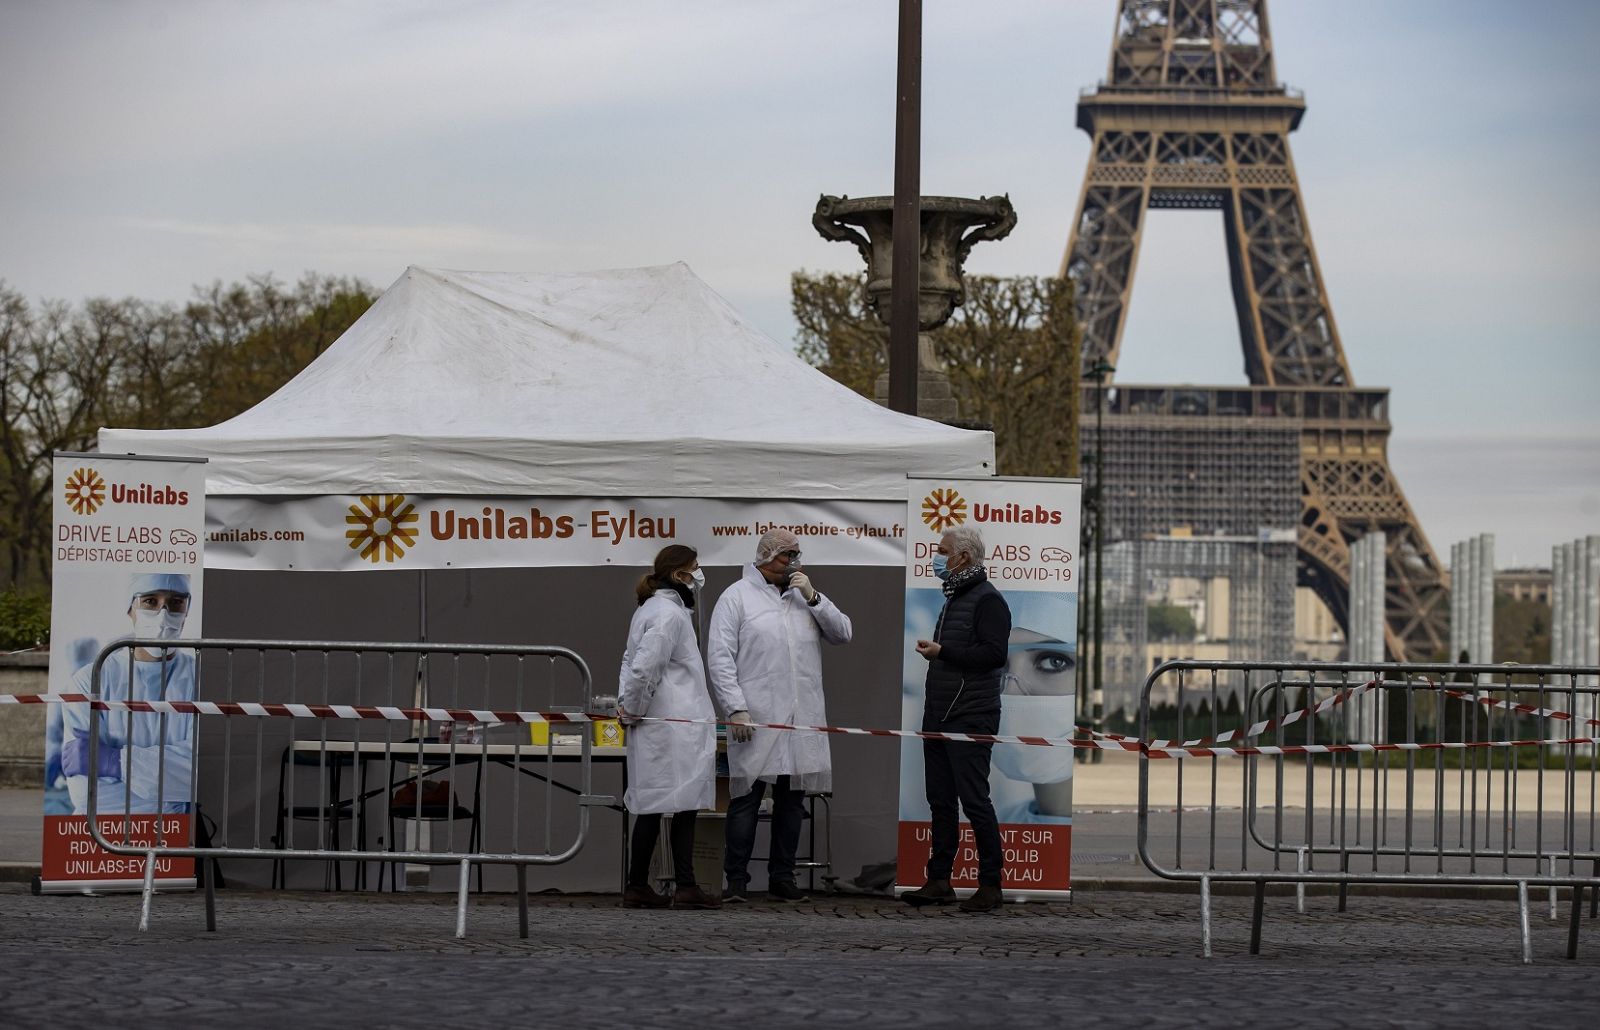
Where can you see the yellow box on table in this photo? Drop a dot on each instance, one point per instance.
(603, 733)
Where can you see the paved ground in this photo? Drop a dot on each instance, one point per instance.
(1126, 957)
(1117, 958)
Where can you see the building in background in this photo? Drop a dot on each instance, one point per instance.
(1528, 584)
(1200, 514)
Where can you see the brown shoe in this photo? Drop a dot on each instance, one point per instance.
(984, 899)
(643, 897)
(934, 892)
(694, 897)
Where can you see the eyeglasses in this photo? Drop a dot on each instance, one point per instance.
(791, 555)
(176, 604)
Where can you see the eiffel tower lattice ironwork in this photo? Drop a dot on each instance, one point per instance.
(1191, 115)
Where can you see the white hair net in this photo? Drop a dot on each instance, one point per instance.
(773, 543)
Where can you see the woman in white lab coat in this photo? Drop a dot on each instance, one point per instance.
(671, 765)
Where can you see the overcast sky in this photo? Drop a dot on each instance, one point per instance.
(1447, 162)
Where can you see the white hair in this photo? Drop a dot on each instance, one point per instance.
(773, 543)
(966, 539)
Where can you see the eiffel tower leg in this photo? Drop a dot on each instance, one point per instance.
(1104, 248)
(1345, 497)
(1285, 322)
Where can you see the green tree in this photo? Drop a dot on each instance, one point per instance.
(1169, 622)
(837, 332)
(1521, 631)
(24, 620)
(1011, 352)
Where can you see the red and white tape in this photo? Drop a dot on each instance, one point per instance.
(487, 715)
(1335, 749)
(300, 711)
(1253, 730)
(1517, 706)
(384, 712)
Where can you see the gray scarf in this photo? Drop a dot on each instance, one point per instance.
(971, 574)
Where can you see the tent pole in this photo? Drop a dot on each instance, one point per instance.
(422, 638)
(422, 606)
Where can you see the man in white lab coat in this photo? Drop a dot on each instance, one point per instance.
(764, 653)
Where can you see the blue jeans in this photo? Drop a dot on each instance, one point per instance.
(788, 811)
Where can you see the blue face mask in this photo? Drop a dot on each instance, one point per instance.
(941, 566)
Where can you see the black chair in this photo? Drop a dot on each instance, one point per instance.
(330, 808)
(427, 805)
(806, 859)
(811, 862)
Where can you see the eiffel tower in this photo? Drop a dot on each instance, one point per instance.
(1191, 115)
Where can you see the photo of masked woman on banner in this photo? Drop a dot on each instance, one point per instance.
(133, 775)
(1028, 784)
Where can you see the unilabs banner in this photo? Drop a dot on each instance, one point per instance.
(128, 554)
(410, 531)
(1030, 530)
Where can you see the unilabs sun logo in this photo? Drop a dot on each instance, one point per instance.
(942, 509)
(86, 491)
(381, 526)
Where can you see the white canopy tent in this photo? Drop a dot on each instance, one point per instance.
(635, 382)
(462, 389)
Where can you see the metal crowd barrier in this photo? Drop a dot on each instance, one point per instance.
(1468, 775)
(262, 757)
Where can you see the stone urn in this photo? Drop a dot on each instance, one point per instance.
(951, 226)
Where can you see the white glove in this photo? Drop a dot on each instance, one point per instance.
(802, 582)
(739, 728)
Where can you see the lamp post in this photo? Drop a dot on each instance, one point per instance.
(907, 209)
(1097, 373)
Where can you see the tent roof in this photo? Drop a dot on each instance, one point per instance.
(635, 382)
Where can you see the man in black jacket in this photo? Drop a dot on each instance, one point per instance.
(966, 662)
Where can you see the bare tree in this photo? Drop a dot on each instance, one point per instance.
(67, 371)
(54, 368)
(1011, 352)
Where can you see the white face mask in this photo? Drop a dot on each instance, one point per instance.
(157, 625)
(697, 579)
(1049, 715)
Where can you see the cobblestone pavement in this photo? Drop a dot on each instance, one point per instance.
(1116, 958)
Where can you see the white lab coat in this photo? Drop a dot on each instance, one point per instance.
(671, 765)
(136, 789)
(765, 658)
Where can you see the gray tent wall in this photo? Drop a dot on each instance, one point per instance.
(585, 609)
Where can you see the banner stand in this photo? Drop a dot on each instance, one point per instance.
(1030, 530)
(129, 558)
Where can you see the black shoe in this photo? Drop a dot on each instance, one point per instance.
(734, 895)
(785, 890)
(643, 897)
(934, 892)
(694, 897)
(984, 899)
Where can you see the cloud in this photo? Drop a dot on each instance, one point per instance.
(1532, 492)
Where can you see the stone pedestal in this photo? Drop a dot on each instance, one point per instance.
(935, 399)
